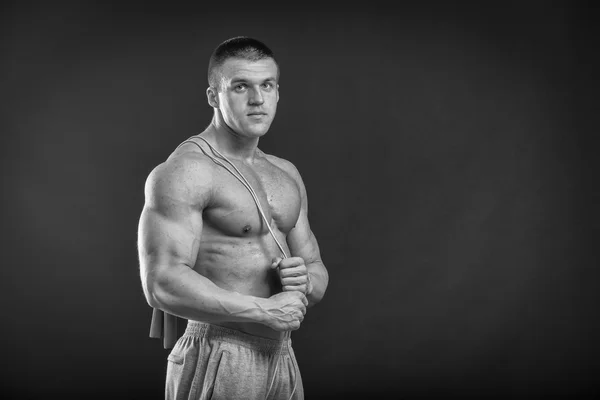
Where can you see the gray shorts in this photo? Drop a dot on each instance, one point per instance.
(212, 362)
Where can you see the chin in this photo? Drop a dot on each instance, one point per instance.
(256, 131)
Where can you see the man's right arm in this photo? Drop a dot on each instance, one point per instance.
(168, 242)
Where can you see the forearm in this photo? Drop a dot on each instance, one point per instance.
(181, 291)
(319, 279)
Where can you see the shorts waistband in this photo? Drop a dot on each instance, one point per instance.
(258, 343)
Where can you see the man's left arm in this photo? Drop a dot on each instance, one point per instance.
(304, 270)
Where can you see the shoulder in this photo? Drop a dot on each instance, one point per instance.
(286, 166)
(292, 171)
(185, 177)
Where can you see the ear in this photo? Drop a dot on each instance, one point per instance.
(278, 92)
(212, 96)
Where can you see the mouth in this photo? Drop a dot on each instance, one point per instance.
(252, 114)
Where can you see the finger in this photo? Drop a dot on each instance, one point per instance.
(295, 271)
(301, 297)
(300, 312)
(305, 301)
(294, 280)
(291, 262)
(295, 288)
(292, 288)
(276, 262)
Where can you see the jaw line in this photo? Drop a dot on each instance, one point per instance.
(228, 129)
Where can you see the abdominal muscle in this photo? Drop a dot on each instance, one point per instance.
(242, 265)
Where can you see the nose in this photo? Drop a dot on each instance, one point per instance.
(256, 97)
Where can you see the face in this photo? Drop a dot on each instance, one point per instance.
(248, 95)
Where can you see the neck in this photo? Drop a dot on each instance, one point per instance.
(229, 142)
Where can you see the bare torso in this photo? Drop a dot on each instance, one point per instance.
(235, 248)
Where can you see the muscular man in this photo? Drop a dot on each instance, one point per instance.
(207, 255)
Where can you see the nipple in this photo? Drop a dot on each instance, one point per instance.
(247, 228)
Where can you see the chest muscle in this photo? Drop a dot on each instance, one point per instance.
(234, 212)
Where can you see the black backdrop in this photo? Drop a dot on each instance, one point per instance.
(448, 156)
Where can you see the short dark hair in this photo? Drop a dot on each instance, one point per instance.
(238, 47)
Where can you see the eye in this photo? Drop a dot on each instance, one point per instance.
(267, 85)
(240, 88)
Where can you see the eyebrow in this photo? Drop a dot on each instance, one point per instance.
(244, 80)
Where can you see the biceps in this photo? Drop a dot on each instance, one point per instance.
(165, 241)
(302, 241)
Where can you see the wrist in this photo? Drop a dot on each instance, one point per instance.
(240, 307)
(259, 310)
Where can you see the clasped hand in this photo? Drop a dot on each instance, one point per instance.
(293, 274)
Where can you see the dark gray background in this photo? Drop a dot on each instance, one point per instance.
(448, 152)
